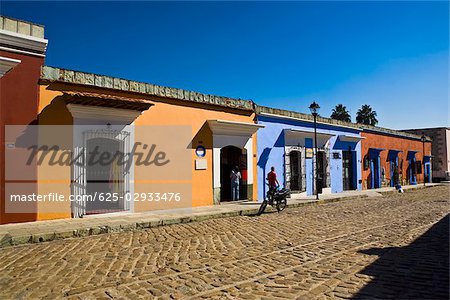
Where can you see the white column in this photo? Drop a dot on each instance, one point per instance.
(216, 167)
(249, 147)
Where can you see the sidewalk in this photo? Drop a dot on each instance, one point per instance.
(41, 231)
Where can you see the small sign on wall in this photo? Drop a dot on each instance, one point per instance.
(309, 153)
(201, 164)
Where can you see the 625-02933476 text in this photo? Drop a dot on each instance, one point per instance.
(102, 197)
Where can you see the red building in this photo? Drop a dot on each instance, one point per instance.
(22, 54)
(390, 157)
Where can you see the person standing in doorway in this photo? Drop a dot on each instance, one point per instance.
(235, 177)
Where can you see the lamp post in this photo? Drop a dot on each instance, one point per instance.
(314, 108)
(423, 139)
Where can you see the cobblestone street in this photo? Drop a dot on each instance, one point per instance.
(394, 246)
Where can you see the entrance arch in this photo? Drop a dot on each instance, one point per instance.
(238, 134)
(231, 157)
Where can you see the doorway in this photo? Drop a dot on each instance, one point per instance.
(322, 163)
(412, 170)
(231, 157)
(104, 181)
(295, 161)
(427, 175)
(393, 165)
(375, 173)
(347, 171)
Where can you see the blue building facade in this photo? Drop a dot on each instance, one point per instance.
(286, 143)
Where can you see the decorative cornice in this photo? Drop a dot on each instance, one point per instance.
(105, 100)
(51, 74)
(223, 127)
(7, 64)
(21, 51)
(293, 115)
(102, 113)
(22, 42)
(310, 119)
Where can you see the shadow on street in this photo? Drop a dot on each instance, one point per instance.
(419, 270)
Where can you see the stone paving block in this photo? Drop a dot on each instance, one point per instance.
(300, 253)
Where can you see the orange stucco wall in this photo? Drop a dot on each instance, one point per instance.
(170, 114)
(374, 140)
(164, 112)
(53, 111)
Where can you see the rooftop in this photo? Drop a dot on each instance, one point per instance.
(426, 128)
(21, 27)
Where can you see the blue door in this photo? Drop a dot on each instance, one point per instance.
(427, 173)
(375, 171)
(372, 175)
(392, 168)
(412, 171)
(393, 165)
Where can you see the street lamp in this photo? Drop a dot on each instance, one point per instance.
(423, 139)
(314, 108)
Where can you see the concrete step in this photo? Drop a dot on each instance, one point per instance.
(326, 191)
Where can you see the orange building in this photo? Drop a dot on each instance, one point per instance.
(390, 157)
(202, 138)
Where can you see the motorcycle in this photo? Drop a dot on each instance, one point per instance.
(277, 198)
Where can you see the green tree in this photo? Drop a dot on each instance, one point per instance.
(366, 115)
(341, 113)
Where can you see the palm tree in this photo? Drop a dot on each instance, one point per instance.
(366, 115)
(341, 113)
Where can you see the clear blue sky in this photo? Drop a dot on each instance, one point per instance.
(391, 55)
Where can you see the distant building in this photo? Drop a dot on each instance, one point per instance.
(440, 150)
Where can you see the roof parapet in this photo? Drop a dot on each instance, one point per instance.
(393, 132)
(22, 37)
(306, 117)
(21, 27)
(52, 74)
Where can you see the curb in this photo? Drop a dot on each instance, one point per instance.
(9, 240)
(421, 187)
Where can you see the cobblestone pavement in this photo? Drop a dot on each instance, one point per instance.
(395, 246)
